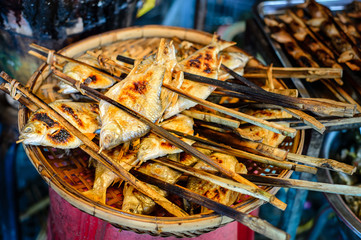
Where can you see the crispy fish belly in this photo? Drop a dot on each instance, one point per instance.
(153, 146)
(140, 91)
(268, 137)
(204, 62)
(213, 191)
(83, 74)
(136, 202)
(43, 129)
(104, 177)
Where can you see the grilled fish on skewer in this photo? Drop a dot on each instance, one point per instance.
(211, 190)
(136, 202)
(268, 137)
(104, 177)
(42, 129)
(321, 22)
(83, 74)
(140, 91)
(309, 41)
(349, 28)
(153, 146)
(204, 62)
(139, 203)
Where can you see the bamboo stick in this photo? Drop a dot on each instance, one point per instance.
(301, 184)
(295, 72)
(322, 163)
(309, 120)
(210, 117)
(92, 149)
(247, 118)
(24, 101)
(172, 139)
(254, 223)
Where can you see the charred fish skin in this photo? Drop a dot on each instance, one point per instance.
(83, 74)
(204, 62)
(140, 91)
(44, 130)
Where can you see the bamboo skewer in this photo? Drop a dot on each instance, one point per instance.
(307, 185)
(254, 223)
(174, 140)
(91, 148)
(256, 121)
(280, 153)
(293, 72)
(307, 119)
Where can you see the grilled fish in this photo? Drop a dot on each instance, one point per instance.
(153, 146)
(139, 91)
(43, 129)
(213, 191)
(268, 137)
(104, 177)
(136, 202)
(204, 62)
(81, 73)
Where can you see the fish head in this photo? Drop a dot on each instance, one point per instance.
(110, 135)
(33, 133)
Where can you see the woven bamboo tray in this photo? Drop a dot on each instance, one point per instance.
(69, 175)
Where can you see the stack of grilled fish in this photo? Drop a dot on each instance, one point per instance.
(130, 141)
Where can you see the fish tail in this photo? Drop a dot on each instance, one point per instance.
(98, 195)
(219, 43)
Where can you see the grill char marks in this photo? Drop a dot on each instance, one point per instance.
(61, 136)
(69, 111)
(44, 117)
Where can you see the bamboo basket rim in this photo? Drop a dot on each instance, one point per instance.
(112, 214)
